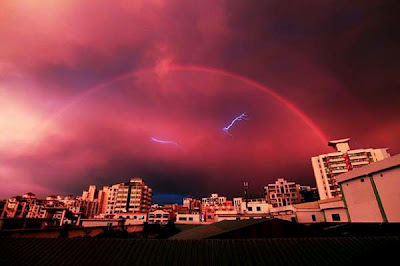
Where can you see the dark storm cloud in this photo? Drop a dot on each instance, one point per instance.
(335, 60)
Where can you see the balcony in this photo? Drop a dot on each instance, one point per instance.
(331, 160)
(359, 163)
(354, 157)
(337, 164)
(339, 171)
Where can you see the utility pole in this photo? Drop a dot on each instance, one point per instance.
(246, 187)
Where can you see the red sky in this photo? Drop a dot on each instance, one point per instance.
(84, 85)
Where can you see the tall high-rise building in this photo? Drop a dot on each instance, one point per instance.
(91, 193)
(84, 195)
(111, 200)
(282, 193)
(103, 196)
(328, 166)
(133, 196)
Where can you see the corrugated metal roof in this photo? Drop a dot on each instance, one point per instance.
(213, 229)
(289, 251)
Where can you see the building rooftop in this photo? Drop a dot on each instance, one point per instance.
(334, 142)
(307, 205)
(341, 145)
(375, 167)
(330, 200)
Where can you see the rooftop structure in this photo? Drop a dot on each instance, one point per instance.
(371, 193)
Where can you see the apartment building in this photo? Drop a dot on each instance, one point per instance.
(133, 196)
(159, 217)
(192, 204)
(92, 193)
(219, 212)
(209, 204)
(282, 193)
(252, 206)
(328, 166)
(187, 218)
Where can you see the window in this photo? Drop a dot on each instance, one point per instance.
(190, 218)
(335, 217)
(313, 218)
(258, 209)
(182, 218)
(250, 209)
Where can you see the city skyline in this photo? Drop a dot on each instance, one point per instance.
(86, 89)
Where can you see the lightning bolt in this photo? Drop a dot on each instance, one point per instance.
(241, 117)
(165, 141)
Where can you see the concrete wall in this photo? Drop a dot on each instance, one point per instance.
(98, 222)
(304, 216)
(342, 214)
(225, 218)
(388, 186)
(264, 207)
(195, 217)
(361, 200)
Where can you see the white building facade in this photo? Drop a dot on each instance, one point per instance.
(133, 196)
(328, 166)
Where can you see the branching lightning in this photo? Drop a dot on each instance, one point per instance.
(241, 117)
(165, 141)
